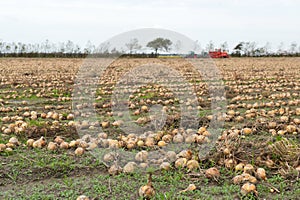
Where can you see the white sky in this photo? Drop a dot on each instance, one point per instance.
(233, 21)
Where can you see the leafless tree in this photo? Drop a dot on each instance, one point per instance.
(133, 45)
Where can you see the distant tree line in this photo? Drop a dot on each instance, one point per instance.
(251, 49)
(133, 49)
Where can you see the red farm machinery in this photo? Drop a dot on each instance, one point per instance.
(218, 54)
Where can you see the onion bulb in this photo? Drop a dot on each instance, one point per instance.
(212, 173)
(247, 188)
(79, 151)
(147, 191)
(52, 146)
(261, 173)
(129, 167)
(192, 164)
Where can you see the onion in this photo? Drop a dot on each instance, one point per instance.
(79, 151)
(102, 135)
(192, 164)
(30, 142)
(201, 130)
(147, 191)
(149, 142)
(10, 145)
(141, 156)
(82, 197)
(64, 145)
(2, 147)
(269, 163)
(191, 187)
(129, 167)
(239, 167)
(261, 173)
(14, 141)
(191, 138)
(92, 145)
(167, 138)
(143, 165)
(247, 188)
(272, 125)
(291, 128)
(161, 143)
(237, 179)
(212, 173)
(113, 143)
(114, 169)
(247, 131)
(165, 166)
(7, 131)
(39, 143)
(73, 143)
(70, 117)
(171, 156)
(226, 151)
(180, 162)
(144, 108)
(185, 154)
(52, 146)
(229, 163)
(281, 132)
(284, 119)
(105, 124)
(248, 169)
(178, 138)
(58, 140)
(8, 149)
(109, 157)
(140, 143)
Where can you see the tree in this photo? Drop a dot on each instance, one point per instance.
(1, 46)
(252, 47)
(280, 48)
(160, 43)
(267, 48)
(196, 46)
(8, 48)
(247, 47)
(224, 46)
(238, 48)
(103, 47)
(293, 47)
(89, 47)
(133, 45)
(210, 46)
(177, 46)
(70, 46)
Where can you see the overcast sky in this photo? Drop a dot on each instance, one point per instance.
(233, 21)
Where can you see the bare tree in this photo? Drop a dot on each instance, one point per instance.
(103, 47)
(210, 46)
(267, 48)
(177, 46)
(224, 46)
(280, 48)
(89, 47)
(293, 48)
(70, 46)
(249, 48)
(133, 45)
(196, 46)
(1, 46)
